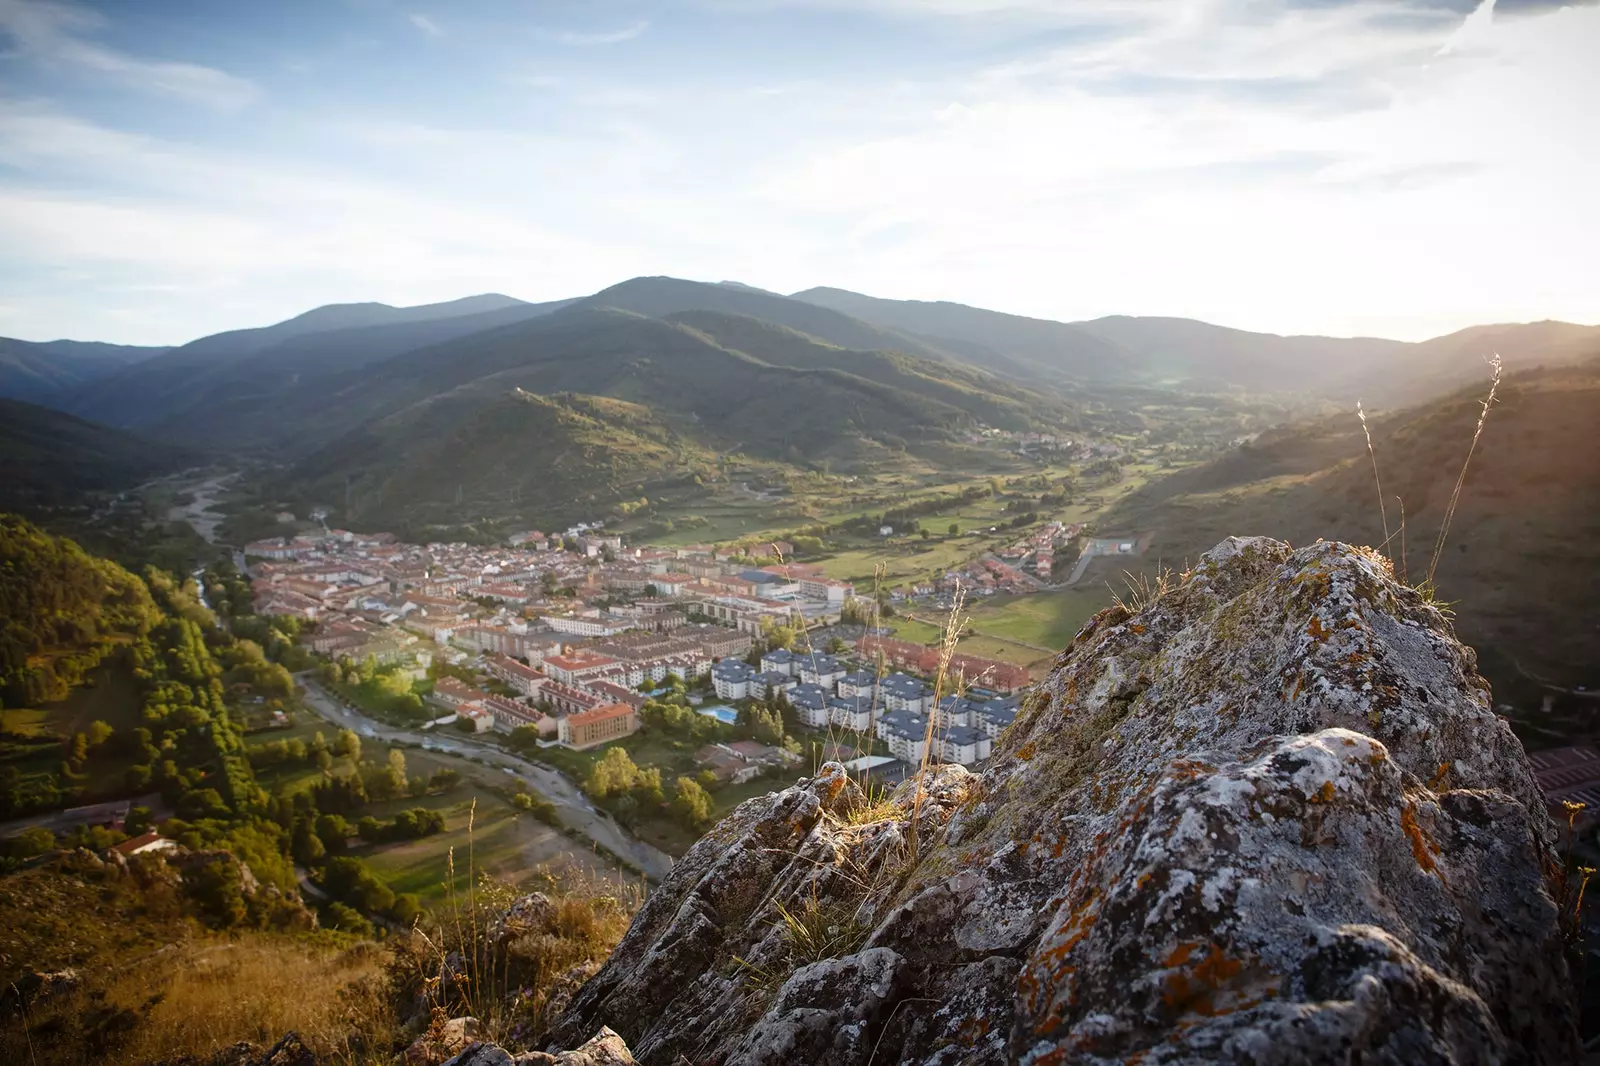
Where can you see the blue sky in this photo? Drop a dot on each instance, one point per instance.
(170, 168)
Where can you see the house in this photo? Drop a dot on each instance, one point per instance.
(569, 699)
(525, 679)
(509, 714)
(480, 716)
(571, 669)
(731, 679)
(457, 695)
(143, 844)
(727, 764)
(605, 723)
(764, 754)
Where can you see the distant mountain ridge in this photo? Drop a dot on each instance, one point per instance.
(163, 393)
(825, 376)
(46, 371)
(1386, 372)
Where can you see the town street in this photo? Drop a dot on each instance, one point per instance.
(576, 810)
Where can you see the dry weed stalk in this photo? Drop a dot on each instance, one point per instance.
(1371, 451)
(1496, 368)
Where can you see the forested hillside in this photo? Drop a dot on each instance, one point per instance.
(63, 610)
(48, 459)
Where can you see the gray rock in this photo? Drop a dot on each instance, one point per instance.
(1268, 818)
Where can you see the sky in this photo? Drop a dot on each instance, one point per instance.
(1402, 168)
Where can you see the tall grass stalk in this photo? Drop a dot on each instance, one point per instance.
(1495, 367)
(1378, 481)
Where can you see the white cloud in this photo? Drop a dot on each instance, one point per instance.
(425, 24)
(1309, 168)
(54, 33)
(580, 39)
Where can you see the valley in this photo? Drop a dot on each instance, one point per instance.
(489, 596)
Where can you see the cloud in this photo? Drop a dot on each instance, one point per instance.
(626, 33)
(425, 24)
(54, 33)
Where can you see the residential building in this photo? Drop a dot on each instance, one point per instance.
(820, 669)
(570, 699)
(606, 723)
(857, 683)
(779, 661)
(764, 684)
(902, 692)
(851, 712)
(810, 703)
(457, 695)
(525, 679)
(995, 715)
(509, 714)
(731, 679)
(963, 745)
(906, 733)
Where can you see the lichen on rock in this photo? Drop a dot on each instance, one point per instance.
(1269, 817)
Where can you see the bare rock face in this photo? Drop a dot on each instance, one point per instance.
(1268, 818)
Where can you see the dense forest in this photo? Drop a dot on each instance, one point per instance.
(61, 611)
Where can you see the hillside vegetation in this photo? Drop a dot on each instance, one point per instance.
(63, 611)
(49, 459)
(1524, 545)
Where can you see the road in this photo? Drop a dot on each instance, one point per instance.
(576, 810)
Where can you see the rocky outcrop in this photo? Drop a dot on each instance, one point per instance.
(1267, 818)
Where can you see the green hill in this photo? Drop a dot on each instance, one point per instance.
(1524, 545)
(478, 452)
(48, 458)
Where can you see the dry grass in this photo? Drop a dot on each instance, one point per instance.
(1496, 367)
(198, 998)
(1143, 589)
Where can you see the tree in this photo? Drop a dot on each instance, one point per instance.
(615, 772)
(396, 772)
(955, 530)
(692, 802)
(348, 743)
(305, 845)
(99, 733)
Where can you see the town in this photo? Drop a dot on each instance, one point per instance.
(565, 640)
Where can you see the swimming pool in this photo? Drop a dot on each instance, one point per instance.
(725, 715)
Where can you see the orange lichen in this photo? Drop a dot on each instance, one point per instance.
(1324, 794)
(1026, 751)
(1420, 846)
(1439, 778)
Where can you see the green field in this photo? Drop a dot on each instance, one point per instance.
(1045, 619)
(506, 843)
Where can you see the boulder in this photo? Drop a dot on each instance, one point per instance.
(1269, 817)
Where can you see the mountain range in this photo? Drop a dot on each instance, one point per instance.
(366, 398)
